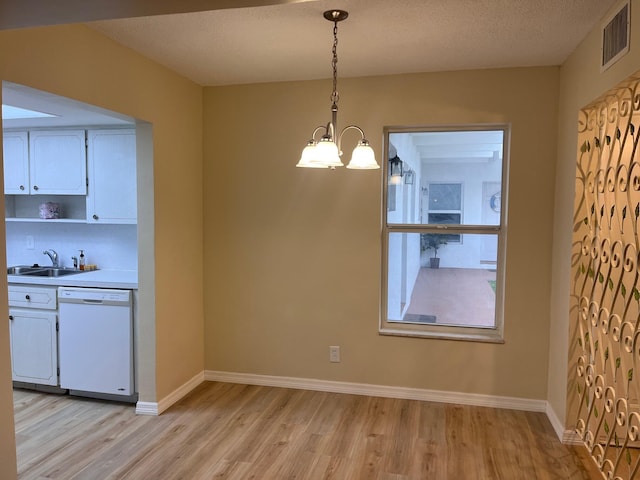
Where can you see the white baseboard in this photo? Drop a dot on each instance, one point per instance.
(146, 408)
(474, 399)
(567, 437)
(156, 408)
(571, 437)
(557, 425)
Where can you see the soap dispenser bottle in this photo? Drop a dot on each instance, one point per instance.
(81, 259)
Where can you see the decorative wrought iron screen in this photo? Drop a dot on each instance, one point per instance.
(605, 303)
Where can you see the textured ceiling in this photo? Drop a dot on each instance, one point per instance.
(293, 41)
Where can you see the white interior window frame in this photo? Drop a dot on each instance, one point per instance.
(493, 334)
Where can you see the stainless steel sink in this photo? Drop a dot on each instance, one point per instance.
(41, 271)
(52, 272)
(21, 270)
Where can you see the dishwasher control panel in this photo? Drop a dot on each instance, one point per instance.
(94, 295)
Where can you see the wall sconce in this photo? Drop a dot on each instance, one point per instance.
(408, 177)
(395, 171)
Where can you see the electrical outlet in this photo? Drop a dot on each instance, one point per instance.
(29, 242)
(334, 354)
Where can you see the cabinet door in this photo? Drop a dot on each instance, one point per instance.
(112, 176)
(34, 346)
(58, 164)
(16, 163)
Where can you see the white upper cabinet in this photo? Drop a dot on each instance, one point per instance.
(57, 162)
(16, 163)
(111, 159)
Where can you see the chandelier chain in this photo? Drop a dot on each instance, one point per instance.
(334, 64)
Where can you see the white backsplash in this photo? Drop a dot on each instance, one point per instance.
(112, 247)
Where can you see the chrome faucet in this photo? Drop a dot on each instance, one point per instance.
(53, 256)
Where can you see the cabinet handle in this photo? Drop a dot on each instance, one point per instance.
(35, 187)
(95, 217)
(27, 297)
(21, 187)
(10, 317)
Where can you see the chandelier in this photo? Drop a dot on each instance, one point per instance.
(326, 152)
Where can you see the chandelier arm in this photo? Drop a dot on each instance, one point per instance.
(355, 127)
(317, 129)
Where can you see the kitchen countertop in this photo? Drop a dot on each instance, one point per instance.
(127, 279)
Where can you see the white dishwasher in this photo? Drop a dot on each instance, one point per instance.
(95, 340)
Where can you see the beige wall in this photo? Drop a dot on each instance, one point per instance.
(293, 255)
(581, 82)
(78, 63)
(7, 441)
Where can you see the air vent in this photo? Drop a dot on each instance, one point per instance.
(615, 37)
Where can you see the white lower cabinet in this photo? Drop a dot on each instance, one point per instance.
(33, 334)
(34, 348)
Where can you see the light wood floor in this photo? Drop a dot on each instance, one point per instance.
(249, 432)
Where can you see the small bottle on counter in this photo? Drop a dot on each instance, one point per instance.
(81, 259)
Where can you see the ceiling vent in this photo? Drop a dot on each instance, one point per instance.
(615, 37)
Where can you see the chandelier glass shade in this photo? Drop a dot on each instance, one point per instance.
(325, 152)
